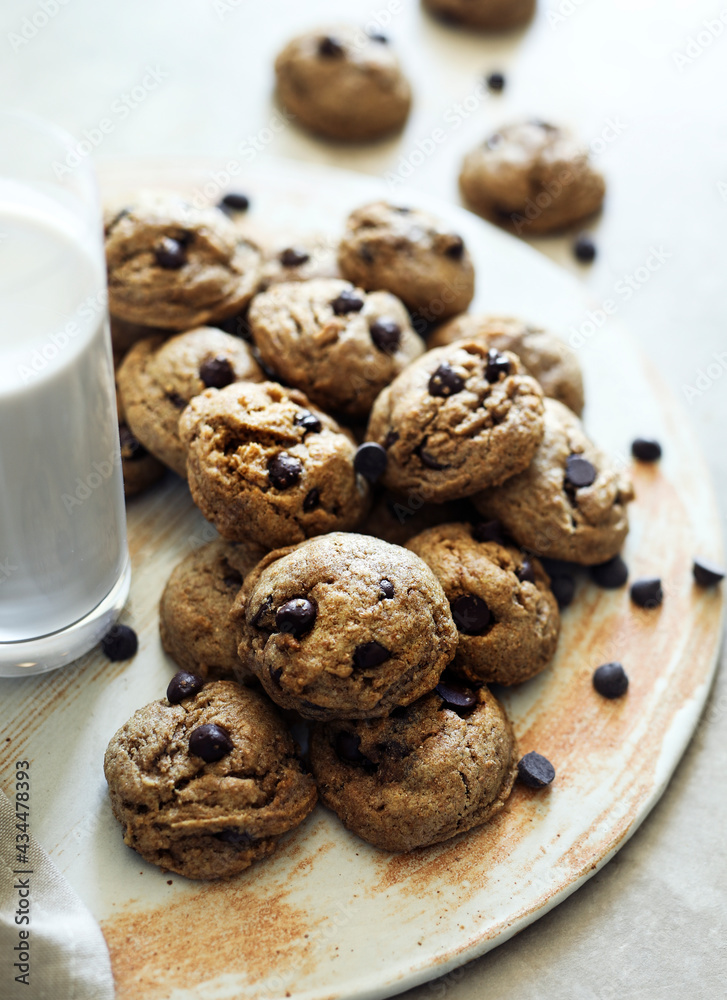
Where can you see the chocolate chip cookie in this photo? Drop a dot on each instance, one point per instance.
(264, 464)
(440, 767)
(532, 177)
(484, 15)
(458, 419)
(570, 503)
(343, 83)
(158, 377)
(139, 469)
(209, 785)
(344, 626)
(337, 343)
(544, 355)
(175, 266)
(410, 253)
(299, 259)
(195, 606)
(501, 601)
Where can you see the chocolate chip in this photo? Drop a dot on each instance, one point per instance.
(564, 588)
(386, 334)
(496, 82)
(497, 364)
(489, 531)
(429, 460)
(386, 590)
(707, 573)
(455, 248)
(525, 573)
(445, 381)
(347, 302)
(377, 36)
(391, 438)
(238, 838)
(370, 460)
(131, 449)
(296, 616)
(370, 654)
(183, 685)
(308, 421)
(646, 449)
(579, 471)
(293, 257)
(312, 500)
(330, 47)
(610, 680)
(176, 400)
(647, 592)
(284, 470)
(471, 614)
(584, 249)
(611, 574)
(454, 694)
(217, 372)
(210, 742)
(170, 254)
(535, 771)
(347, 748)
(120, 643)
(233, 579)
(236, 201)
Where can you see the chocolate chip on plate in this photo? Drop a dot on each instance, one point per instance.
(284, 470)
(183, 685)
(707, 573)
(525, 573)
(610, 680)
(647, 592)
(386, 334)
(611, 574)
(445, 381)
(120, 643)
(386, 590)
(217, 372)
(370, 460)
(535, 771)
(330, 47)
(347, 302)
(293, 257)
(471, 614)
(308, 421)
(210, 742)
(370, 654)
(496, 82)
(579, 471)
(170, 254)
(296, 616)
(497, 365)
(235, 200)
(646, 449)
(584, 249)
(455, 694)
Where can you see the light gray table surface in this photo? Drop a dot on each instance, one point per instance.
(645, 81)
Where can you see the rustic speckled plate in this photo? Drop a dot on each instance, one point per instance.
(330, 916)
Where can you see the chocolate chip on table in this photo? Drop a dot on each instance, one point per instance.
(386, 590)
(579, 471)
(183, 685)
(445, 381)
(293, 257)
(233, 579)
(707, 573)
(471, 614)
(562, 581)
(131, 449)
(347, 748)
(217, 372)
(284, 470)
(170, 254)
(611, 574)
(296, 616)
(235, 200)
(535, 771)
(330, 47)
(647, 592)
(455, 248)
(370, 654)
(497, 365)
(120, 643)
(489, 531)
(584, 249)
(210, 742)
(308, 421)
(455, 694)
(312, 500)
(610, 680)
(347, 302)
(496, 82)
(370, 460)
(646, 449)
(525, 573)
(386, 334)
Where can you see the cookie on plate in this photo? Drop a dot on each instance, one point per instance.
(344, 626)
(299, 259)
(426, 773)
(410, 253)
(158, 377)
(532, 177)
(571, 502)
(195, 606)
(206, 786)
(174, 266)
(343, 83)
(264, 464)
(458, 419)
(544, 355)
(501, 601)
(337, 343)
(484, 15)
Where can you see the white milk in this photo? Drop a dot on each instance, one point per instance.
(62, 522)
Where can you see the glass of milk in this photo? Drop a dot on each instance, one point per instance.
(64, 566)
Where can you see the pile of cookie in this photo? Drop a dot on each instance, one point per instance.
(397, 516)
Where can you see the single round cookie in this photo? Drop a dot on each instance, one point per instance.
(337, 343)
(344, 626)
(343, 83)
(158, 377)
(140, 470)
(484, 15)
(544, 355)
(263, 464)
(425, 774)
(501, 601)
(532, 177)
(570, 503)
(458, 419)
(299, 259)
(410, 253)
(207, 804)
(175, 266)
(194, 610)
